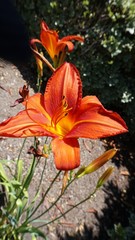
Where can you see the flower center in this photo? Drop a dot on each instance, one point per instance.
(61, 112)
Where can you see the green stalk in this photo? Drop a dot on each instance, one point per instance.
(70, 209)
(21, 148)
(42, 174)
(38, 186)
(20, 155)
(39, 83)
(54, 203)
(42, 200)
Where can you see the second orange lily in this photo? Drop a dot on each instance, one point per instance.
(55, 47)
(64, 115)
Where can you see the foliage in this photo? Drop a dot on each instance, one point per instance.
(18, 212)
(123, 233)
(16, 203)
(107, 57)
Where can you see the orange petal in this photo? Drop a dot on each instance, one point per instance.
(64, 82)
(38, 60)
(36, 112)
(66, 41)
(66, 153)
(44, 25)
(33, 42)
(21, 126)
(72, 37)
(39, 115)
(94, 121)
(61, 45)
(49, 39)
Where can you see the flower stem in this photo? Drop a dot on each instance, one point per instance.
(54, 203)
(21, 148)
(42, 200)
(24, 141)
(42, 58)
(70, 209)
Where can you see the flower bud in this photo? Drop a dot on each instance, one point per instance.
(97, 163)
(104, 177)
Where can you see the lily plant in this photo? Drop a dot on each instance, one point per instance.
(63, 114)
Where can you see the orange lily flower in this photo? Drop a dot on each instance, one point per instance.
(64, 115)
(53, 45)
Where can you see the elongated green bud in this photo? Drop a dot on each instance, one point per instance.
(97, 163)
(104, 177)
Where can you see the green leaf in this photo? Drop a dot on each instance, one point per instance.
(19, 169)
(32, 230)
(2, 172)
(30, 174)
(15, 183)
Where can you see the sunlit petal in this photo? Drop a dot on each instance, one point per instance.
(44, 26)
(94, 121)
(66, 153)
(36, 103)
(62, 44)
(72, 37)
(65, 82)
(21, 126)
(49, 41)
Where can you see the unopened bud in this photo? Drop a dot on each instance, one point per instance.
(97, 163)
(104, 177)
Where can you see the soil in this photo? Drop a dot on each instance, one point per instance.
(111, 205)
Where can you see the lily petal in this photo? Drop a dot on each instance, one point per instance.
(66, 153)
(61, 45)
(66, 41)
(21, 126)
(44, 26)
(33, 42)
(72, 37)
(49, 39)
(65, 82)
(38, 60)
(36, 103)
(94, 121)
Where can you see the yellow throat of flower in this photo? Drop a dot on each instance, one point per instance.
(59, 120)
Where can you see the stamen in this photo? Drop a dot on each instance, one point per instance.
(61, 112)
